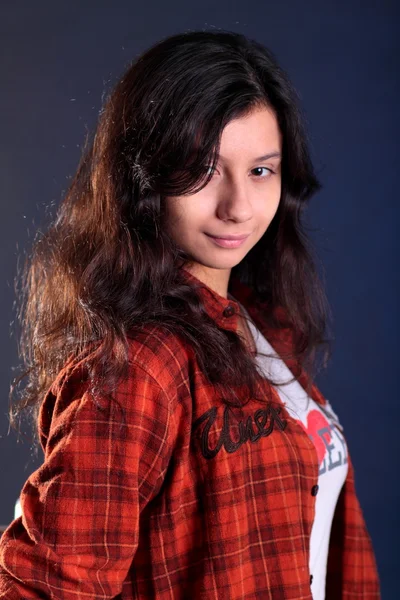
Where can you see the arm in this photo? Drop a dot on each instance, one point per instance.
(79, 528)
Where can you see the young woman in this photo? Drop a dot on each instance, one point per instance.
(171, 323)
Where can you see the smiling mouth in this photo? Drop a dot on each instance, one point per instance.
(227, 243)
(229, 237)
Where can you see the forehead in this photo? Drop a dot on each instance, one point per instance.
(256, 134)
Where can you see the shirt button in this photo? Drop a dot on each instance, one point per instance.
(311, 578)
(229, 311)
(314, 490)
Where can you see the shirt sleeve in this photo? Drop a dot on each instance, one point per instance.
(104, 461)
(352, 569)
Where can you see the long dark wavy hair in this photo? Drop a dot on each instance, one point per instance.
(105, 266)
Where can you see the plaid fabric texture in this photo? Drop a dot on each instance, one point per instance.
(168, 494)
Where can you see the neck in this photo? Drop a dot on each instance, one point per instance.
(216, 279)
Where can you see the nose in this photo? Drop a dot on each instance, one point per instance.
(234, 202)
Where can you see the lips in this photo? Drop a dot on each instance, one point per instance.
(229, 237)
(227, 243)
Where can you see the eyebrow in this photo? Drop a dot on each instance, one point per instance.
(273, 154)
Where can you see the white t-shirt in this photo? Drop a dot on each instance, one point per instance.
(325, 431)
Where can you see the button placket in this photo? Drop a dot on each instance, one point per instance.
(314, 490)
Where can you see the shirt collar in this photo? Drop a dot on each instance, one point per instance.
(225, 312)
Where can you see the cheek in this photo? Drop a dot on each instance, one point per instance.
(181, 219)
(191, 212)
(274, 199)
(174, 214)
(268, 206)
(266, 210)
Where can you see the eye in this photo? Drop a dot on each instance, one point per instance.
(210, 170)
(266, 168)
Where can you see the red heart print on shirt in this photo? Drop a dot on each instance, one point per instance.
(316, 422)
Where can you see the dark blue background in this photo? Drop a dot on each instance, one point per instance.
(58, 61)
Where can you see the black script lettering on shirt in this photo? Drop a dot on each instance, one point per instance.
(246, 431)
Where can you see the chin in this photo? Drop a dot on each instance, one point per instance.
(219, 264)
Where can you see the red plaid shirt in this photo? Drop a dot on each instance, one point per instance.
(168, 503)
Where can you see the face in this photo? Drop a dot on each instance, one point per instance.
(241, 199)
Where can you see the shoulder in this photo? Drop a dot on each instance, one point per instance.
(157, 366)
(155, 376)
(163, 354)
